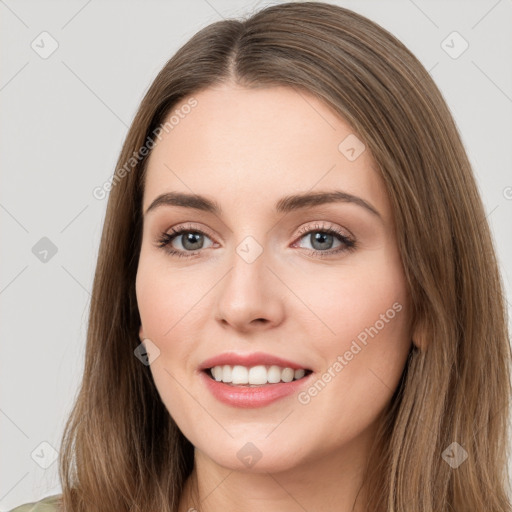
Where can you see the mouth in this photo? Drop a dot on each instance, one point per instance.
(255, 376)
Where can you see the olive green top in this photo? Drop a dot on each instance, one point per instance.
(48, 504)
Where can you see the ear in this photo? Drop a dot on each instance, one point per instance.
(141, 333)
(419, 336)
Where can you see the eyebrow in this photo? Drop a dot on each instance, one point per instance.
(284, 205)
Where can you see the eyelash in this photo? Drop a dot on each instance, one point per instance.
(166, 238)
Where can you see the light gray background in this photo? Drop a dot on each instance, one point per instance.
(63, 122)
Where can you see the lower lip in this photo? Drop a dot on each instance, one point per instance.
(251, 397)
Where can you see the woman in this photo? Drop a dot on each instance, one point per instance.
(297, 304)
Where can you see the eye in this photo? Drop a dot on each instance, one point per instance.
(322, 239)
(190, 240)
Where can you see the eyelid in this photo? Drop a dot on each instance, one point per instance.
(320, 225)
(191, 226)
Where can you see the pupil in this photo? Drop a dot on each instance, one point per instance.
(322, 238)
(191, 238)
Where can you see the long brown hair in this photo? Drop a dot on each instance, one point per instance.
(122, 451)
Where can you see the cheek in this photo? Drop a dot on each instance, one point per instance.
(165, 305)
(173, 304)
(166, 299)
(365, 349)
(163, 308)
(350, 300)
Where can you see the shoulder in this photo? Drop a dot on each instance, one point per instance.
(48, 504)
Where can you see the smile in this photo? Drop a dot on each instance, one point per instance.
(236, 375)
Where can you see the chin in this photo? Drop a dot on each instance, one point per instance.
(259, 456)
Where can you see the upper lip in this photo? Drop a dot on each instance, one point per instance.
(249, 360)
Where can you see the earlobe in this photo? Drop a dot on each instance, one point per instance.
(141, 333)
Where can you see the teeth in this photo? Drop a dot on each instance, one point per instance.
(287, 375)
(217, 372)
(299, 374)
(255, 375)
(240, 375)
(274, 375)
(227, 373)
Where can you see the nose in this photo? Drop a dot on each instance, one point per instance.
(250, 296)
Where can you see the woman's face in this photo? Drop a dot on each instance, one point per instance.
(315, 282)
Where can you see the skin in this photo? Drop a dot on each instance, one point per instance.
(246, 149)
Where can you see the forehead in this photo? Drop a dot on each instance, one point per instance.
(257, 145)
